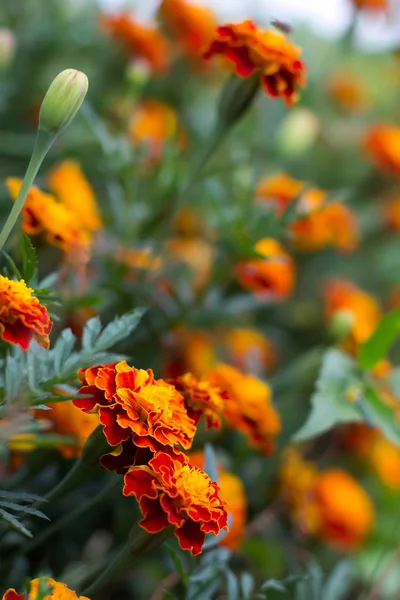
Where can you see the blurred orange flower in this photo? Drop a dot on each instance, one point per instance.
(248, 350)
(270, 53)
(382, 146)
(60, 591)
(68, 182)
(192, 25)
(201, 398)
(359, 309)
(233, 493)
(67, 419)
(319, 223)
(42, 213)
(139, 258)
(135, 409)
(330, 505)
(196, 253)
(142, 41)
(272, 276)
(170, 491)
(22, 317)
(153, 123)
(347, 90)
(373, 5)
(378, 452)
(391, 209)
(248, 407)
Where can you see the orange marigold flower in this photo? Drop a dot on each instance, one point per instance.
(170, 491)
(345, 511)
(330, 505)
(381, 144)
(277, 191)
(42, 213)
(201, 398)
(22, 317)
(153, 123)
(270, 53)
(135, 409)
(372, 5)
(144, 42)
(391, 210)
(233, 493)
(192, 25)
(361, 310)
(249, 350)
(67, 181)
(59, 591)
(248, 407)
(272, 276)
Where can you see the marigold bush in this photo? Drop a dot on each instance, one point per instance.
(199, 303)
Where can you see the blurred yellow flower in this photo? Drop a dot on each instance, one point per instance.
(60, 591)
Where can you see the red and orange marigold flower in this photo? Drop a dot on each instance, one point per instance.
(59, 591)
(22, 317)
(144, 42)
(192, 25)
(201, 398)
(136, 410)
(170, 491)
(270, 276)
(269, 53)
(382, 146)
(248, 407)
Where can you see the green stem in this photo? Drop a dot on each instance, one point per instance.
(139, 543)
(43, 142)
(69, 517)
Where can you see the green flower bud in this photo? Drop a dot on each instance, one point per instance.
(341, 324)
(237, 96)
(62, 101)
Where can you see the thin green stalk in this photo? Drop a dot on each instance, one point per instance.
(43, 142)
(95, 501)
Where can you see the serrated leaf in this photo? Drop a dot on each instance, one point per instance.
(119, 329)
(29, 258)
(15, 523)
(25, 509)
(329, 403)
(90, 333)
(380, 342)
(22, 496)
(62, 350)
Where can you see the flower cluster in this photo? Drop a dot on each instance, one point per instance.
(22, 317)
(329, 504)
(269, 53)
(146, 421)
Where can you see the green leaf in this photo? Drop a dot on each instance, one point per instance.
(22, 496)
(12, 265)
(380, 414)
(62, 350)
(178, 565)
(29, 259)
(25, 509)
(119, 329)
(380, 342)
(339, 581)
(329, 403)
(15, 523)
(232, 585)
(247, 585)
(90, 333)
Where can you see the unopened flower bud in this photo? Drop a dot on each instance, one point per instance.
(62, 100)
(341, 324)
(7, 46)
